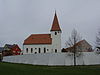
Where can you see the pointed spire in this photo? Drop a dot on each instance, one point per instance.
(55, 24)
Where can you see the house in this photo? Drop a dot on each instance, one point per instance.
(81, 46)
(11, 50)
(44, 43)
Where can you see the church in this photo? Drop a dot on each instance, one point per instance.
(44, 43)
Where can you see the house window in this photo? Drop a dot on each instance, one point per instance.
(35, 48)
(26, 50)
(31, 50)
(14, 51)
(55, 50)
(55, 33)
(44, 50)
(39, 50)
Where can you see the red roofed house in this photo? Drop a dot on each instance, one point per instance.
(44, 43)
(11, 50)
(81, 46)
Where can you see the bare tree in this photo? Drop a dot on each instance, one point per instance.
(98, 40)
(73, 39)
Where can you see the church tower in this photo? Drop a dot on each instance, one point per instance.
(56, 35)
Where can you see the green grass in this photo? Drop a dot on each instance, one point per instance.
(23, 69)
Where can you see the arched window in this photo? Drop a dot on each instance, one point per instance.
(31, 50)
(26, 50)
(44, 50)
(55, 33)
(55, 50)
(39, 50)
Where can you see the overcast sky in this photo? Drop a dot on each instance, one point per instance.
(20, 18)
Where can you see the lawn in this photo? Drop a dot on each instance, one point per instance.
(24, 69)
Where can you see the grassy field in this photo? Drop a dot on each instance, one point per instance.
(23, 69)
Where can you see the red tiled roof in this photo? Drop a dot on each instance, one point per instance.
(55, 25)
(38, 39)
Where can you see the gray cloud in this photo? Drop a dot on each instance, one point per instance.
(20, 18)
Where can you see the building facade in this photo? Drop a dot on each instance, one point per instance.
(44, 43)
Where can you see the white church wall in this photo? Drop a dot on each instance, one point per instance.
(35, 48)
(87, 58)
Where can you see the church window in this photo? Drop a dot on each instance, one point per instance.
(26, 50)
(47, 49)
(44, 50)
(55, 50)
(31, 50)
(39, 50)
(55, 33)
(35, 52)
